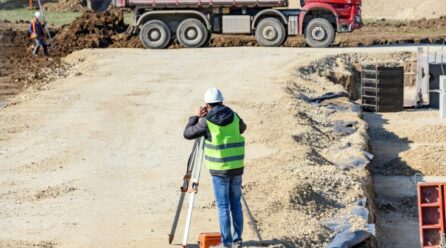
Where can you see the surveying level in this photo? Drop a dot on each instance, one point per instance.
(191, 177)
(190, 185)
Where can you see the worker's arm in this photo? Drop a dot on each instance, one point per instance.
(242, 126)
(196, 128)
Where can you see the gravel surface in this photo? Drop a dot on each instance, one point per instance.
(405, 144)
(96, 158)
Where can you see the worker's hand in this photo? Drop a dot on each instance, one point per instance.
(202, 111)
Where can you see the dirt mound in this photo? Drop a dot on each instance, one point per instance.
(432, 31)
(107, 29)
(311, 201)
(18, 67)
(91, 30)
(345, 69)
(403, 9)
(64, 5)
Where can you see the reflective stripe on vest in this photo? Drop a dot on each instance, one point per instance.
(226, 151)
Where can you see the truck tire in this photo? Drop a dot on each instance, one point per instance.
(192, 33)
(155, 34)
(270, 32)
(319, 33)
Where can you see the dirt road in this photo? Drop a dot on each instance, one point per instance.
(96, 159)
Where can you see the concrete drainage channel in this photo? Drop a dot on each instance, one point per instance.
(408, 147)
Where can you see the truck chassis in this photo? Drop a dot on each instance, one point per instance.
(191, 23)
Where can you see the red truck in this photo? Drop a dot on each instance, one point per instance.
(191, 22)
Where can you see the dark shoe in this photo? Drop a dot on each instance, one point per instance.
(237, 244)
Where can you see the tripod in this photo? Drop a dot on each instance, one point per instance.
(192, 178)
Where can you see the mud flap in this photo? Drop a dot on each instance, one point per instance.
(100, 5)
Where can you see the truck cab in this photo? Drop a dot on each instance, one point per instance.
(343, 16)
(191, 22)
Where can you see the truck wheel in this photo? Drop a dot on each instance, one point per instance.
(155, 34)
(192, 33)
(270, 32)
(319, 33)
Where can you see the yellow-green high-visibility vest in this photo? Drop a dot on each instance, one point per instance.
(226, 151)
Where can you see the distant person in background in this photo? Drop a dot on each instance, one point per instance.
(37, 31)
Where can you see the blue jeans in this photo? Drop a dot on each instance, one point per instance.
(38, 42)
(228, 193)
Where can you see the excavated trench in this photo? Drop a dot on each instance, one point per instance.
(408, 147)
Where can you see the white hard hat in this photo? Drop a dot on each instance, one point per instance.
(37, 14)
(213, 95)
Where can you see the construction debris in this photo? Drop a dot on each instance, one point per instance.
(64, 6)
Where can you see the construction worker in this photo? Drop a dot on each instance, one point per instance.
(224, 150)
(37, 31)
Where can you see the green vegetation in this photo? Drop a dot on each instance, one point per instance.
(53, 18)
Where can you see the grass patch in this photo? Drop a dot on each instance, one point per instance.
(53, 18)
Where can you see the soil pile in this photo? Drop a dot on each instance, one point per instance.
(107, 29)
(403, 9)
(92, 30)
(313, 183)
(64, 5)
(345, 69)
(382, 32)
(18, 67)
